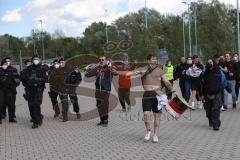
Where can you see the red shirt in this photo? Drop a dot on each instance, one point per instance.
(125, 81)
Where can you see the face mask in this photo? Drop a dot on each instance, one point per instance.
(4, 67)
(56, 65)
(62, 64)
(8, 63)
(35, 61)
(189, 61)
(169, 65)
(235, 58)
(209, 66)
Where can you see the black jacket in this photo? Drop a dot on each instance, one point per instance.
(34, 77)
(212, 81)
(231, 68)
(104, 77)
(180, 71)
(9, 78)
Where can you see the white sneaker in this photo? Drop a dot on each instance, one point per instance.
(147, 136)
(192, 106)
(223, 109)
(198, 102)
(155, 139)
(200, 106)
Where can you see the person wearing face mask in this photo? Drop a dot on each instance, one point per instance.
(12, 81)
(195, 74)
(212, 89)
(237, 65)
(34, 79)
(187, 80)
(73, 79)
(230, 71)
(8, 61)
(169, 70)
(52, 93)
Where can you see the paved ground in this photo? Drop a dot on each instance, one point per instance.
(188, 138)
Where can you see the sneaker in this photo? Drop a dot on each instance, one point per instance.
(192, 107)
(35, 126)
(123, 110)
(198, 103)
(100, 123)
(155, 139)
(223, 109)
(12, 120)
(234, 106)
(105, 123)
(200, 106)
(147, 136)
(216, 128)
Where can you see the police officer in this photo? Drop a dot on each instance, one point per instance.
(10, 82)
(34, 79)
(52, 93)
(27, 63)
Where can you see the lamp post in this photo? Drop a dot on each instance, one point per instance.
(195, 21)
(146, 18)
(189, 29)
(238, 38)
(184, 38)
(106, 29)
(43, 55)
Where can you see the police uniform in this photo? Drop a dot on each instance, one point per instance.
(34, 79)
(9, 81)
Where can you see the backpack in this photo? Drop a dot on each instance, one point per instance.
(223, 79)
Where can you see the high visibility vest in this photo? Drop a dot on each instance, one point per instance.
(168, 72)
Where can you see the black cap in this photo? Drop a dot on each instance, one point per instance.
(55, 60)
(61, 59)
(27, 60)
(3, 61)
(35, 56)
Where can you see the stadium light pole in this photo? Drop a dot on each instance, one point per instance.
(184, 38)
(106, 29)
(189, 32)
(238, 38)
(43, 54)
(146, 18)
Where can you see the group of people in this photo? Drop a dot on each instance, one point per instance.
(33, 78)
(210, 84)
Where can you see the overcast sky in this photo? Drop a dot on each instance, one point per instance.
(18, 17)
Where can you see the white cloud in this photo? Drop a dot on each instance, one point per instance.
(12, 16)
(73, 16)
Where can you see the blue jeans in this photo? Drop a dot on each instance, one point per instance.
(234, 97)
(187, 90)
